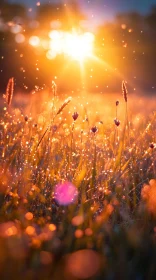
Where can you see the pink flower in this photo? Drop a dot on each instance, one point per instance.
(65, 193)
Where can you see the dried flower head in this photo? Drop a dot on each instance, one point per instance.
(124, 90)
(75, 116)
(117, 102)
(117, 122)
(94, 129)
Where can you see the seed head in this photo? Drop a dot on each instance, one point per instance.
(9, 91)
(117, 102)
(124, 91)
(66, 102)
(75, 116)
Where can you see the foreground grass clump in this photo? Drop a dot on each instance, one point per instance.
(77, 192)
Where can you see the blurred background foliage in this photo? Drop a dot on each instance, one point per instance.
(124, 49)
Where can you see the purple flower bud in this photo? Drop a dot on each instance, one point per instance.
(117, 122)
(151, 146)
(75, 116)
(94, 129)
(54, 128)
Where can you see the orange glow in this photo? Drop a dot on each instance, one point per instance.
(11, 231)
(78, 233)
(29, 216)
(77, 220)
(30, 230)
(52, 227)
(83, 264)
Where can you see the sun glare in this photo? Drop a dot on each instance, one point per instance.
(71, 44)
(79, 47)
(76, 46)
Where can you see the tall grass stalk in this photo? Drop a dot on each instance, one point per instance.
(66, 102)
(125, 96)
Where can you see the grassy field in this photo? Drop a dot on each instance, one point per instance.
(78, 186)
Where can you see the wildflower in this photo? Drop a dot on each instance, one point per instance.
(94, 129)
(117, 122)
(75, 116)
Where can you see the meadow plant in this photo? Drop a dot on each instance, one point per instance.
(92, 217)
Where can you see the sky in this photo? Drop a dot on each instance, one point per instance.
(98, 10)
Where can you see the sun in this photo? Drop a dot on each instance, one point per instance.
(76, 46)
(79, 47)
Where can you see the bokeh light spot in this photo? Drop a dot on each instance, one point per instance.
(65, 193)
(83, 264)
